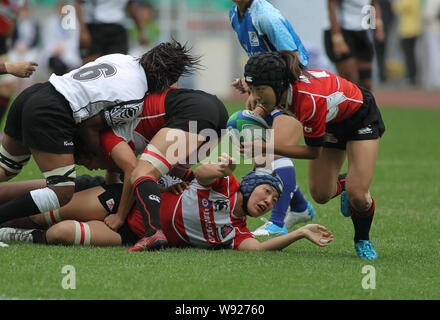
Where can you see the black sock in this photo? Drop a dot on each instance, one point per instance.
(39, 236)
(362, 223)
(21, 206)
(148, 198)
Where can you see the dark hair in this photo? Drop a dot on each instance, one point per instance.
(295, 69)
(166, 63)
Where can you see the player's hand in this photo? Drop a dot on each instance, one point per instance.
(261, 111)
(178, 188)
(317, 234)
(113, 221)
(255, 148)
(251, 103)
(241, 85)
(226, 164)
(340, 47)
(22, 69)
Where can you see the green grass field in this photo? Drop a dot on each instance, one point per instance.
(405, 231)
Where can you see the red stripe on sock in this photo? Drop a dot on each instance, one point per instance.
(159, 157)
(339, 188)
(82, 233)
(52, 217)
(142, 179)
(145, 207)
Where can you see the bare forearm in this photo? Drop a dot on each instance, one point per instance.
(297, 152)
(281, 242)
(334, 24)
(207, 173)
(127, 198)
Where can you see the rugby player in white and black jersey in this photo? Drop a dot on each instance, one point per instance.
(46, 119)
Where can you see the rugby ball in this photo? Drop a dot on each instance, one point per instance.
(246, 125)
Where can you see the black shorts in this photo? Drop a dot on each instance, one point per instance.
(359, 43)
(107, 38)
(206, 110)
(110, 199)
(365, 124)
(41, 118)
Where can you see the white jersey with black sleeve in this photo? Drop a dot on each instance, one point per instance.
(114, 84)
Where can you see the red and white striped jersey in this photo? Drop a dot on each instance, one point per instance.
(324, 98)
(202, 216)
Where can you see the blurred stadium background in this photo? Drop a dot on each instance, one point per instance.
(205, 26)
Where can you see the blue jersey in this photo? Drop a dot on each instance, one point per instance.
(262, 29)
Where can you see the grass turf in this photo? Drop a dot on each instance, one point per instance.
(405, 232)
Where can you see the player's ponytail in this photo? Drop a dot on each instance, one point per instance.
(166, 63)
(295, 68)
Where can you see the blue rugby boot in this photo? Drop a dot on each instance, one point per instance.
(365, 250)
(269, 228)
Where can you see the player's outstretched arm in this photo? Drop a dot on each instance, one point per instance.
(315, 233)
(22, 69)
(207, 173)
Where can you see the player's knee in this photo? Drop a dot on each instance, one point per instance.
(61, 233)
(319, 195)
(152, 163)
(359, 200)
(62, 182)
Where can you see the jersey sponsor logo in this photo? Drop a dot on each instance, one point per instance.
(204, 203)
(153, 197)
(253, 39)
(220, 205)
(223, 231)
(110, 203)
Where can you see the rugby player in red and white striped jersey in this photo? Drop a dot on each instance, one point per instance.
(339, 120)
(211, 214)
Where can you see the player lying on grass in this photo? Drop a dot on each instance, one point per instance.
(340, 120)
(211, 213)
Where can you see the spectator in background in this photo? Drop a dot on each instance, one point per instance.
(147, 14)
(410, 28)
(8, 16)
(25, 42)
(102, 29)
(347, 41)
(431, 15)
(60, 44)
(26, 36)
(381, 45)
